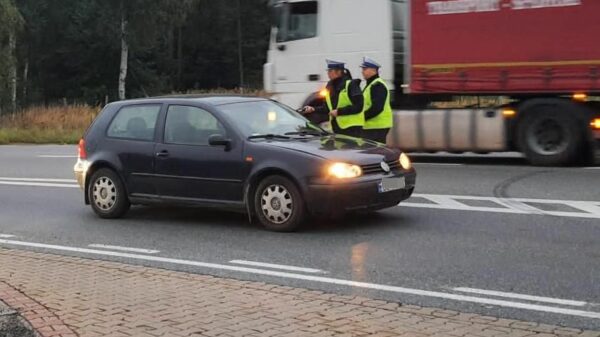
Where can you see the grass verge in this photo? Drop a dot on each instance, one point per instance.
(47, 125)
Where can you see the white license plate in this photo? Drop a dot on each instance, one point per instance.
(391, 184)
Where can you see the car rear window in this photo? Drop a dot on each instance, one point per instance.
(135, 122)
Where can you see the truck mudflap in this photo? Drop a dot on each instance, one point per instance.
(457, 130)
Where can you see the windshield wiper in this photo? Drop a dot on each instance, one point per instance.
(269, 136)
(307, 133)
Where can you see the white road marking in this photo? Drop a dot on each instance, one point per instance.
(521, 296)
(314, 278)
(437, 164)
(592, 168)
(56, 156)
(583, 209)
(125, 249)
(276, 266)
(15, 183)
(51, 180)
(6, 236)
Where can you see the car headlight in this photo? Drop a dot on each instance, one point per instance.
(405, 161)
(344, 170)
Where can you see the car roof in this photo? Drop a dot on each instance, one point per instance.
(214, 100)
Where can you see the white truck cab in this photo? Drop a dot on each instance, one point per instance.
(305, 33)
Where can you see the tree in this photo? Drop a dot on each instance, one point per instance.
(11, 24)
(142, 23)
(74, 50)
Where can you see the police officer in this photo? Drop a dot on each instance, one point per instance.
(377, 107)
(343, 101)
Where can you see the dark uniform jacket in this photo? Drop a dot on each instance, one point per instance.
(334, 87)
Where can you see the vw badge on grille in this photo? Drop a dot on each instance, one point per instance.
(385, 167)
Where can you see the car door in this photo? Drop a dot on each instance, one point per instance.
(129, 143)
(188, 168)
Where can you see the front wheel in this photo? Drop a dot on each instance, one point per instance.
(278, 204)
(107, 194)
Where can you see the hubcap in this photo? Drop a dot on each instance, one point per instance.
(277, 204)
(547, 136)
(104, 193)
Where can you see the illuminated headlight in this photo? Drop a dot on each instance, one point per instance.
(344, 171)
(405, 161)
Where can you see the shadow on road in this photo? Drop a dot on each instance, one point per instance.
(211, 218)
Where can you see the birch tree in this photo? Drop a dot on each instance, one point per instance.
(11, 24)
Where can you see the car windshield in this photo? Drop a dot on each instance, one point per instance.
(268, 118)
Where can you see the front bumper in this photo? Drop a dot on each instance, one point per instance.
(364, 195)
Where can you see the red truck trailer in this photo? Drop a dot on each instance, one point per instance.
(505, 47)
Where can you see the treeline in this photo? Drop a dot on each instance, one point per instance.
(92, 51)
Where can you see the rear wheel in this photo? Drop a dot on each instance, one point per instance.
(278, 204)
(550, 137)
(107, 194)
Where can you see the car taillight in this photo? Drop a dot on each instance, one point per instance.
(82, 153)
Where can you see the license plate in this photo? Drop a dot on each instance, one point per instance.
(391, 184)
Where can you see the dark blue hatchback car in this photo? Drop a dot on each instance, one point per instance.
(247, 154)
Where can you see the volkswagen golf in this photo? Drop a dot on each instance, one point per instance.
(246, 154)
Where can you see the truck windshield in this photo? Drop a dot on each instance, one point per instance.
(295, 21)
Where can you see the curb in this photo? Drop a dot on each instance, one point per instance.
(23, 316)
(12, 324)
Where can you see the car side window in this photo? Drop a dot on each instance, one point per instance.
(187, 125)
(136, 122)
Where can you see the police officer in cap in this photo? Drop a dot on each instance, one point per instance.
(343, 101)
(377, 108)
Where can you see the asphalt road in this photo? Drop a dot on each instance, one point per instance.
(432, 252)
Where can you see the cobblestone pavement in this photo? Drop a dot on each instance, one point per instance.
(69, 296)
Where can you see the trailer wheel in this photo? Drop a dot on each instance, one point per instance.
(549, 137)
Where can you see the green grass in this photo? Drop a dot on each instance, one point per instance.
(39, 136)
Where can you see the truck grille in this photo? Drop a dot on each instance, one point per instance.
(376, 168)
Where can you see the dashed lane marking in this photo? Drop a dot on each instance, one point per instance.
(521, 296)
(276, 266)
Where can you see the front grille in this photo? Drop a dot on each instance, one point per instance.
(376, 168)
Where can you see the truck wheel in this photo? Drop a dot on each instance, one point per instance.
(278, 204)
(548, 137)
(107, 194)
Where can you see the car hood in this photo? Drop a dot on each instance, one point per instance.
(340, 148)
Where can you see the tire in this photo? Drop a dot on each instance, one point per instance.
(278, 204)
(107, 194)
(549, 137)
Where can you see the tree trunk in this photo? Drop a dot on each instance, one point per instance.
(24, 82)
(124, 53)
(12, 71)
(240, 51)
(179, 57)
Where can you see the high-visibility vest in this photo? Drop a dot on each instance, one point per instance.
(347, 121)
(384, 119)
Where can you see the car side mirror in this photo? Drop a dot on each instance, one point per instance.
(219, 140)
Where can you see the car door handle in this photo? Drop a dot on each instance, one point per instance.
(163, 153)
